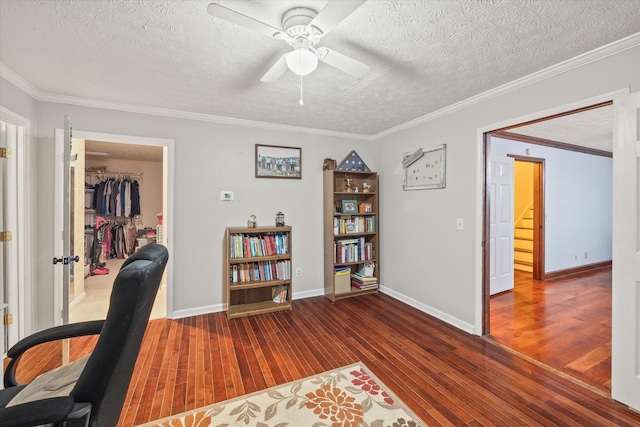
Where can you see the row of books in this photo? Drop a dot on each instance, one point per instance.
(260, 271)
(360, 224)
(249, 245)
(353, 250)
(363, 282)
(279, 294)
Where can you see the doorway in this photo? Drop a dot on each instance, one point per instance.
(534, 293)
(113, 231)
(166, 178)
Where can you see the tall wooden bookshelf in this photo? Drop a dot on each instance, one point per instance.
(257, 270)
(350, 238)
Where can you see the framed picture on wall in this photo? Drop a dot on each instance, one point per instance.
(428, 171)
(274, 161)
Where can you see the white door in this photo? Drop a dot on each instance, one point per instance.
(9, 134)
(625, 351)
(63, 258)
(500, 185)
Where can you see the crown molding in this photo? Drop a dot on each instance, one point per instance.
(18, 81)
(562, 67)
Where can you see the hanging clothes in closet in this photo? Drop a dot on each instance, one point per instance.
(120, 198)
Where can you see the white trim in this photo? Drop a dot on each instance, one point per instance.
(453, 321)
(197, 311)
(480, 180)
(77, 299)
(25, 223)
(19, 82)
(613, 48)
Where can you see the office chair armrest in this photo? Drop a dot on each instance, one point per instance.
(38, 412)
(52, 334)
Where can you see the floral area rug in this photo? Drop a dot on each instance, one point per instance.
(349, 396)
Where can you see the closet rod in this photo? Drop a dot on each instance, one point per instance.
(130, 175)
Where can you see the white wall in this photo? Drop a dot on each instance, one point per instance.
(425, 260)
(210, 158)
(578, 200)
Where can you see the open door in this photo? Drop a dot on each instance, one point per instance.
(500, 187)
(625, 351)
(63, 258)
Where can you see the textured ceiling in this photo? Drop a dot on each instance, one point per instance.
(424, 55)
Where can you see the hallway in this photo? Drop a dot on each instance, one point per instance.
(564, 324)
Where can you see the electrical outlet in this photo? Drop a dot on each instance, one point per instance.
(586, 254)
(299, 272)
(575, 257)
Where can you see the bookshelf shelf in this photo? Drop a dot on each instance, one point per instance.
(257, 270)
(351, 239)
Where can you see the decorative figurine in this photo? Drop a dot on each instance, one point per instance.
(329, 164)
(279, 219)
(253, 222)
(348, 183)
(366, 187)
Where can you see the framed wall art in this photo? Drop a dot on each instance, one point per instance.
(274, 161)
(427, 171)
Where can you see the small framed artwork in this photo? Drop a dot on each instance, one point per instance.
(365, 207)
(349, 206)
(428, 171)
(273, 161)
(350, 227)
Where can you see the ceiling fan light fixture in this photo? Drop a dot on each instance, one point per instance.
(302, 61)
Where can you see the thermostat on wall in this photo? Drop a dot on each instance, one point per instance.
(226, 196)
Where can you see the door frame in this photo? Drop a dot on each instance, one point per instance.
(538, 213)
(24, 233)
(482, 316)
(168, 147)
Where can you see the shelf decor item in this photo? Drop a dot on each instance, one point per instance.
(279, 219)
(273, 161)
(252, 222)
(349, 206)
(353, 162)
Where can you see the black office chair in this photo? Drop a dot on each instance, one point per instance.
(96, 398)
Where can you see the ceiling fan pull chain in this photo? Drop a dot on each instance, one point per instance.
(301, 103)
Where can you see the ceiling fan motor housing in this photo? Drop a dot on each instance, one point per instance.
(295, 23)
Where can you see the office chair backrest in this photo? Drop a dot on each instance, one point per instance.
(105, 380)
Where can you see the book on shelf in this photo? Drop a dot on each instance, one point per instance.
(279, 294)
(364, 286)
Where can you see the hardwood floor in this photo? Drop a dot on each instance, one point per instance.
(446, 376)
(563, 323)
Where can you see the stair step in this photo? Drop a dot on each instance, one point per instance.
(523, 233)
(523, 244)
(526, 223)
(529, 214)
(523, 257)
(521, 267)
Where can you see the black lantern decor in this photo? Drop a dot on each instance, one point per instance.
(279, 219)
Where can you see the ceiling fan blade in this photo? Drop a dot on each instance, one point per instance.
(234, 17)
(343, 62)
(276, 70)
(333, 13)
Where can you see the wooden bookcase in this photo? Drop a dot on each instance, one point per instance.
(257, 264)
(339, 237)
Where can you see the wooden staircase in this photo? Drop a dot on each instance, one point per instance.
(523, 243)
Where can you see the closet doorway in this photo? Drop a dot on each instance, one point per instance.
(121, 192)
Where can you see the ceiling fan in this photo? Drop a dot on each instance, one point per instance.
(302, 29)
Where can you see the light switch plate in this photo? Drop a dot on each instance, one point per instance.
(226, 196)
(460, 224)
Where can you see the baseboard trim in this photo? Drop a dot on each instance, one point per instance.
(577, 270)
(453, 321)
(208, 309)
(77, 300)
